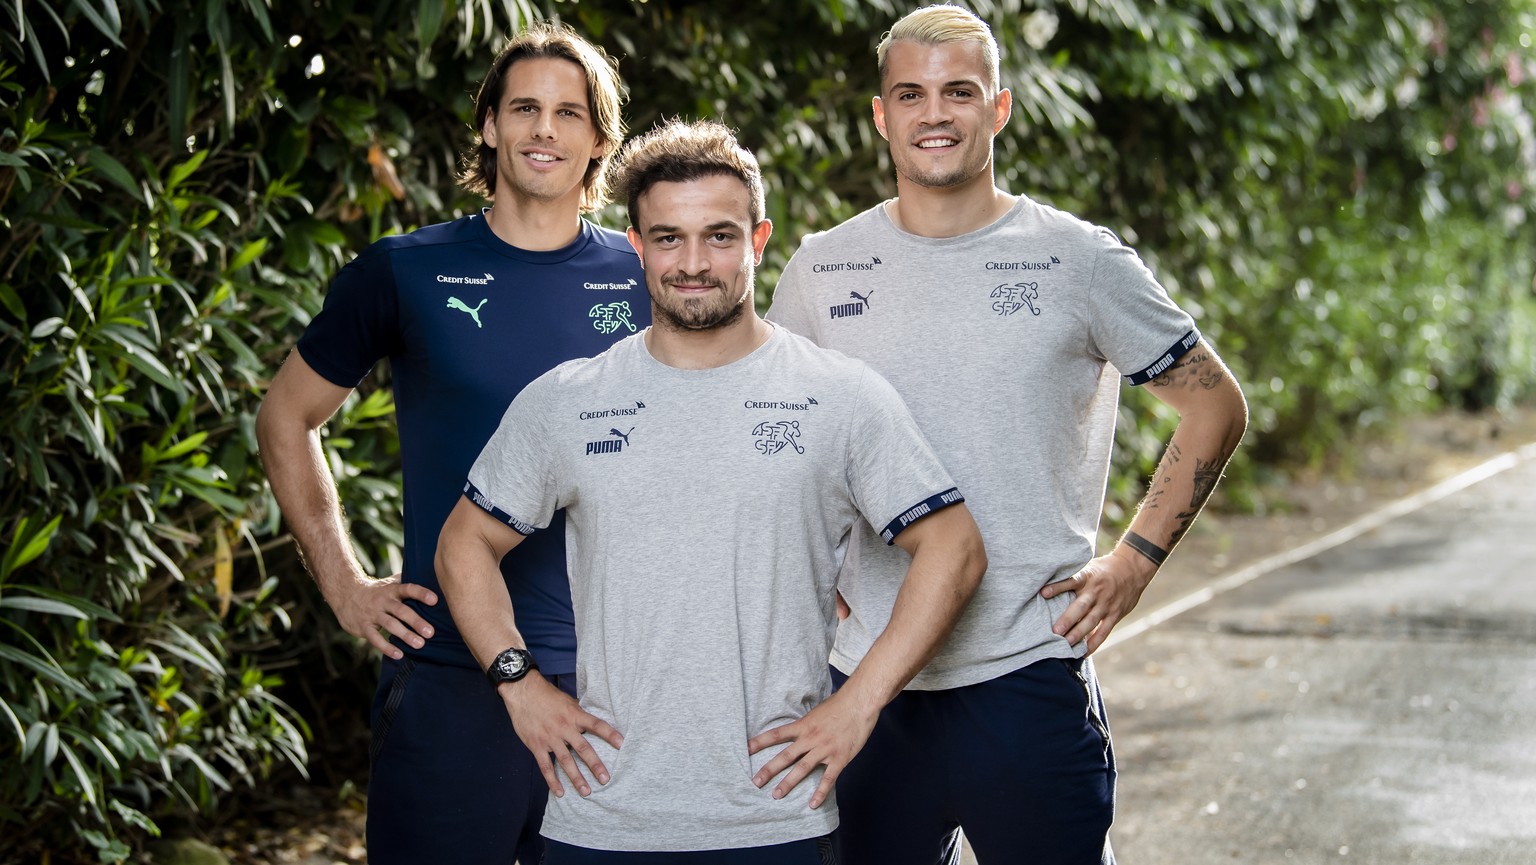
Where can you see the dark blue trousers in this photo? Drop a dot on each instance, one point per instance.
(1022, 763)
(451, 782)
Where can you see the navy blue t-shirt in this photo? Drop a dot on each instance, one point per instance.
(467, 320)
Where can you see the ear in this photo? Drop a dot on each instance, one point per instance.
(634, 240)
(760, 234)
(1004, 107)
(488, 129)
(879, 108)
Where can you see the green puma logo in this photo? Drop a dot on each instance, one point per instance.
(455, 303)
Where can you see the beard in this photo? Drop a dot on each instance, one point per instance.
(711, 312)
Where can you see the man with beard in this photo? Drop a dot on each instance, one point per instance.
(1006, 325)
(468, 312)
(711, 469)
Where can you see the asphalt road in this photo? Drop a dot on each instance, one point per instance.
(1371, 699)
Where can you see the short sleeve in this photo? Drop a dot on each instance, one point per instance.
(513, 479)
(791, 305)
(360, 322)
(893, 474)
(1135, 325)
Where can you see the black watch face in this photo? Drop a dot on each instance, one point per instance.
(511, 665)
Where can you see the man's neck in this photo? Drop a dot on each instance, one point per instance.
(537, 226)
(707, 349)
(948, 212)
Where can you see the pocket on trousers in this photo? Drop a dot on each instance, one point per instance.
(393, 696)
(1091, 701)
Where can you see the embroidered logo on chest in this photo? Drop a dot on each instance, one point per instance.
(1009, 298)
(773, 436)
(607, 318)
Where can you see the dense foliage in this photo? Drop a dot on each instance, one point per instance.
(1341, 191)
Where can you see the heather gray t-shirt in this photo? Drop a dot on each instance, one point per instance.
(707, 514)
(1005, 343)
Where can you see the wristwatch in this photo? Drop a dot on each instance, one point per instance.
(510, 666)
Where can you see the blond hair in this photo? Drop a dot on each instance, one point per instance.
(941, 25)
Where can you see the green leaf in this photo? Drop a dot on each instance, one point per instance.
(116, 172)
(108, 21)
(258, 10)
(12, 302)
(214, 776)
(90, 608)
(144, 362)
(27, 543)
(87, 783)
(248, 253)
(47, 668)
(10, 715)
(179, 73)
(184, 170)
(429, 21)
(183, 447)
(42, 605)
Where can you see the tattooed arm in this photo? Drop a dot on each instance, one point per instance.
(1212, 418)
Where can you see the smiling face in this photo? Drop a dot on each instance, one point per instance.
(542, 131)
(939, 114)
(699, 249)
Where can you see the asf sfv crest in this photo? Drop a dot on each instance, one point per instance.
(775, 435)
(609, 317)
(1009, 299)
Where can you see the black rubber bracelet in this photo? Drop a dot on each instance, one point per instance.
(1154, 553)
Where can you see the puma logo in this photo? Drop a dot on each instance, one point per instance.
(455, 303)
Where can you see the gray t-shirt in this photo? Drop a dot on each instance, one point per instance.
(707, 514)
(1005, 344)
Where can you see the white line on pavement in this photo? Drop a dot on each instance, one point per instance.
(1374, 520)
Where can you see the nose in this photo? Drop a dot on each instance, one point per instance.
(695, 261)
(544, 126)
(935, 112)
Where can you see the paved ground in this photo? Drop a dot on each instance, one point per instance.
(1372, 703)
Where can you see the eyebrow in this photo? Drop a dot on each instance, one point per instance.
(529, 100)
(676, 229)
(959, 82)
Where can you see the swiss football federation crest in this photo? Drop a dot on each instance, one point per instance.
(1008, 299)
(609, 317)
(775, 435)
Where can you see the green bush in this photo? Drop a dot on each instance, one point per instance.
(1340, 191)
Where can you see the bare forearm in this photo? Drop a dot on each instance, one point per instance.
(306, 493)
(946, 570)
(1213, 416)
(469, 573)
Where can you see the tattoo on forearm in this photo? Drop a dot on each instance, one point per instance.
(1195, 370)
(1181, 525)
(1207, 472)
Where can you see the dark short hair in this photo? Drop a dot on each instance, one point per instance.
(605, 98)
(678, 152)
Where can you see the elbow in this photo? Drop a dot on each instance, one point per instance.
(1237, 418)
(973, 566)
